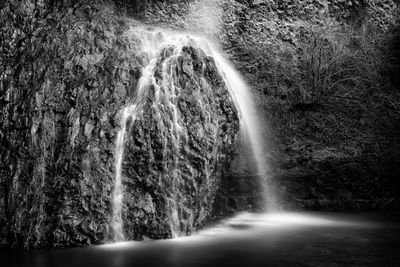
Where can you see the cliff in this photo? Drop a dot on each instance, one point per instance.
(65, 76)
(324, 73)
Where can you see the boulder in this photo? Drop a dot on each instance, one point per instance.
(60, 106)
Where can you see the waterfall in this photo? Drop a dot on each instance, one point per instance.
(251, 127)
(156, 44)
(117, 223)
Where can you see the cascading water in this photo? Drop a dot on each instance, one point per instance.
(154, 45)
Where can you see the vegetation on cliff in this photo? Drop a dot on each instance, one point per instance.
(324, 73)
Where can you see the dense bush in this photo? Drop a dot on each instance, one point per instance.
(307, 52)
(339, 62)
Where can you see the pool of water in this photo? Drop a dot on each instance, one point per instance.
(248, 239)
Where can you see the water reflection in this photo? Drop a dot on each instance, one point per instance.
(280, 239)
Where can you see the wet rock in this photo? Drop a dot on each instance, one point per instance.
(58, 141)
(181, 186)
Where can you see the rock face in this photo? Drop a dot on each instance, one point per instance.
(59, 119)
(171, 178)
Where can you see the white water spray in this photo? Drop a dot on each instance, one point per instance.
(251, 125)
(153, 44)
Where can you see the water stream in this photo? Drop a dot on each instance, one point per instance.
(153, 47)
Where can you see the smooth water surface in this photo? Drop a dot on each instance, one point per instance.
(279, 239)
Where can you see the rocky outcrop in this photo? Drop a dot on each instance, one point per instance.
(58, 141)
(59, 118)
(170, 183)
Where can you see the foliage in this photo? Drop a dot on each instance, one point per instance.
(320, 70)
(339, 62)
(310, 51)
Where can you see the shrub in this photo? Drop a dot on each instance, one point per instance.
(337, 62)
